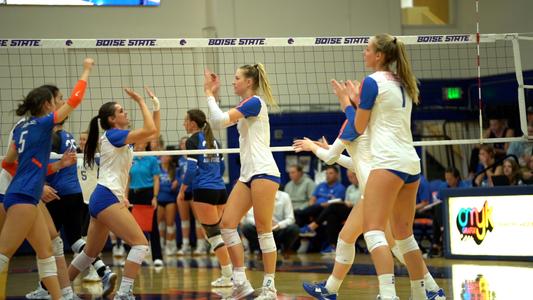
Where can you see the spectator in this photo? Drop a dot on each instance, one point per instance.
(335, 214)
(300, 188)
(487, 162)
(498, 129)
(423, 199)
(283, 227)
(511, 170)
(527, 173)
(522, 149)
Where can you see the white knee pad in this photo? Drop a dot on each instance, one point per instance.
(345, 252)
(47, 267)
(216, 242)
(161, 226)
(185, 224)
(171, 229)
(375, 239)
(78, 246)
(82, 261)
(231, 237)
(267, 242)
(396, 252)
(137, 254)
(407, 245)
(57, 247)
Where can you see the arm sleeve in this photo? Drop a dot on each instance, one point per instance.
(117, 137)
(369, 93)
(346, 162)
(217, 118)
(331, 155)
(250, 107)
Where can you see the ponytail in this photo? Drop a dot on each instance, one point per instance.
(89, 151)
(259, 76)
(395, 52)
(34, 101)
(209, 136)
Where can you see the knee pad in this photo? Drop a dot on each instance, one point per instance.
(213, 236)
(57, 247)
(267, 242)
(407, 245)
(82, 261)
(171, 229)
(185, 224)
(230, 236)
(138, 253)
(396, 252)
(78, 246)
(345, 252)
(375, 239)
(161, 226)
(47, 267)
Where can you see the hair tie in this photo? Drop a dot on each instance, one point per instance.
(394, 40)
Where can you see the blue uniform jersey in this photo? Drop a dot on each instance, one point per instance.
(33, 139)
(166, 193)
(324, 192)
(182, 170)
(65, 181)
(203, 171)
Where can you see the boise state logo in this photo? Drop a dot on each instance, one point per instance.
(474, 223)
(69, 43)
(290, 41)
(183, 42)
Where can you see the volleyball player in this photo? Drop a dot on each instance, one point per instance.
(106, 206)
(166, 204)
(259, 179)
(31, 144)
(386, 101)
(204, 174)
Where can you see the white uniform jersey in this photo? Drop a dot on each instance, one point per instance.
(115, 163)
(5, 177)
(88, 178)
(254, 140)
(389, 128)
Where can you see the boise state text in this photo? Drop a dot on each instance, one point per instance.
(126, 43)
(20, 43)
(240, 42)
(442, 38)
(341, 41)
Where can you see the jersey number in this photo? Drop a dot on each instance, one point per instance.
(83, 175)
(22, 141)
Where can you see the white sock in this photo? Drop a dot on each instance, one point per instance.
(418, 290)
(186, 241)
(333, 284)
(239, 275)
(67, 292)
(431, 285)
(3, 262)
(386, 286)
(268, 281)
(226, 270)
(126, 286)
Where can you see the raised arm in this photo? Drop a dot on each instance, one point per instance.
(149, 129)
(78, 92)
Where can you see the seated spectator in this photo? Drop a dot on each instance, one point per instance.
(283, 227)
(300, 188)
(511, 170)
(522, 149)
(498, 129)
(487, 162)
(423, 199)
(335, 214)
(452, 180)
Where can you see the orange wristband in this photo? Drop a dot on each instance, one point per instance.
(77, 94)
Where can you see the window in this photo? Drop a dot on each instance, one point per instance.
(426, 12)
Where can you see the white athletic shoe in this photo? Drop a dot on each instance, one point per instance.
(222, 282)
(393, 298)
(124, 296)
(38, 293)
(241, 290)
(91, 276)
(184, 250)
(267, 293)
(158, 263)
